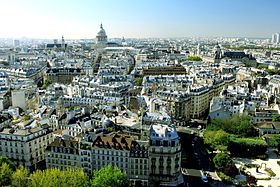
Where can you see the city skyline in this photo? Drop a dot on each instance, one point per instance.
(140, 19)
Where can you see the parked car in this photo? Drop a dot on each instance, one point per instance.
(204, 179)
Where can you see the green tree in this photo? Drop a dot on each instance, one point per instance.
(56, 177)
(217, 140)
(222, 160)
(5, 174)
(237, 124)
(47, 82)
(194, 58)
(20, 177)
(5, 63)
(276, 117)
(247, 147)
(138, 81)
(7, 161)
(262, 66)
(274, 140)
(109, 176)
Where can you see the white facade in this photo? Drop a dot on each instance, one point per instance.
(18, 99)
(275, 38)
(25, 146)
(101, 36)
(165, 156)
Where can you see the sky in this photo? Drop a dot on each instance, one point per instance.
(76, 19)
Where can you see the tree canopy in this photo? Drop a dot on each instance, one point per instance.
(47, 82)
(224, 163)
(276, 117)
(238, 125)
(7, 161)
(138, 81)
(194, 58)
(56, 177)
(217, 140)
(221, 160)
(109, 176)
(275, 140)
(5, 174)
(20, 177)
(247, 147)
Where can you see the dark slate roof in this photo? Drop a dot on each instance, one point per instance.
(60, 142)
(233, 54)
(237, 54)
(57, 70)
(55, 45)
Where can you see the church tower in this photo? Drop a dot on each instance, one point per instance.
(217, 53)
(63, 43)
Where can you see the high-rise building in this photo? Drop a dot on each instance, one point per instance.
(198, 50)
(275, 38)
(16, 43)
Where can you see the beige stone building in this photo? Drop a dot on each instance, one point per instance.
(164, 156)
(63, 153)
(25, 146)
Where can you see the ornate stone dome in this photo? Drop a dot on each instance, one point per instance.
(102, 32)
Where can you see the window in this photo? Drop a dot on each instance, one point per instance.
(161, 161)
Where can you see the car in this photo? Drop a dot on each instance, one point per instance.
(204, 179)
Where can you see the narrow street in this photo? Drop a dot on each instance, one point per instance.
(196, 162)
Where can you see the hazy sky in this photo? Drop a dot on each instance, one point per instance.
(138, 18)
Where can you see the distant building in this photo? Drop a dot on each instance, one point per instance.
(56, 45)
(167, 70)
(101, 37)
(18, 99)
(16, 43)
(247, 59)
(217, 52)
(275, 38)
(62, 75)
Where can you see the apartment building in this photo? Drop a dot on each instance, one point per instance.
(176, 104)
(25, 146)
(145, 163)
(164, 156)
(63, 153)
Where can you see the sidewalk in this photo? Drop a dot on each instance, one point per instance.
(262, 174)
